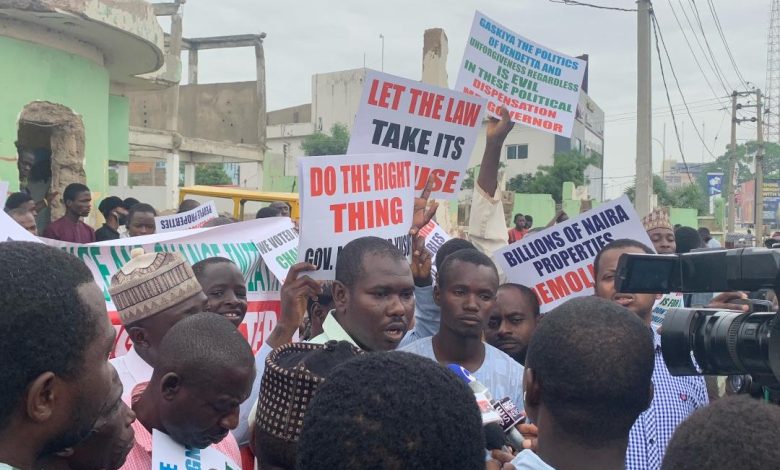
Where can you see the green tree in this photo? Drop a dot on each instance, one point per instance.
(549, 179)
(211, 174)
(659, 188)
(320, 143)
(689, 195)
(471, 176)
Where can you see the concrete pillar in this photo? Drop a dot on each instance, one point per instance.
(435, 50)
(434, 72)
(189, 174)
(259, 176)
(192, 66)
(122, 176)
(172, 180)
(261, 101)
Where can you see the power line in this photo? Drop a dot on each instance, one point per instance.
(707, 43)
(583, 4)
(701, 102)
(726, 44)
(656, 29)
(707, 58)
(690, 48)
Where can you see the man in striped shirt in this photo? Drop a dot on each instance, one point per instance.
(675, 398)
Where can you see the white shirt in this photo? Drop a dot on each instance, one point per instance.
(713, 243)
(499, 373)
(527, 460)
(132, 371)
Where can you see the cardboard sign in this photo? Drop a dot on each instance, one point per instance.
(4, 193)
(168, 454)
(557, 263)
(438, 127)
(194, 218)
(435, 236)
(344, 198)
(539, 86)
(237, 242)
(663, 305)
(279, 248)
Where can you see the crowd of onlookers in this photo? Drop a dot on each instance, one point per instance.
(353, 374)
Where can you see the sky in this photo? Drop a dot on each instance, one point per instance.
(306, 37)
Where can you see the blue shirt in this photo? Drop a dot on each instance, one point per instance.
(427, 316)
(499, 373)
(674, 399)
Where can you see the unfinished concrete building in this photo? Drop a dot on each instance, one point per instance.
(69, 66)
(195, 123)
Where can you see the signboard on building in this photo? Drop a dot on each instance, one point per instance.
(771, 201)
(715, 184)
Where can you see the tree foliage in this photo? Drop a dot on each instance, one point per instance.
(549, 179)
(320, 143)
(695, 195)
(211, 174)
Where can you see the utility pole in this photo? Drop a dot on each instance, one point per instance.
(644, 123)
(382, 37)
(759, 209)
(730, 184)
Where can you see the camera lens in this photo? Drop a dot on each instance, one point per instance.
(717, 343)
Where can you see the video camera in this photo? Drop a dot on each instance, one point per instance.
(711, 341)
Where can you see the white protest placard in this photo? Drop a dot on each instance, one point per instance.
(438, 127)
(557, 263)
(195, 218)
(3, 193)
(237, 242)
(539, 86)
(11, 231)
(435, 236)
(347, 197)
(168, 454)
(663, 305)
(279, 248)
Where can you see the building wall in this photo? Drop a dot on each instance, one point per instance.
(118, 128)
(336, 98)
(36, 73)
(216, 111)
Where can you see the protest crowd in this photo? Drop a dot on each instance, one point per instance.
(508, 349)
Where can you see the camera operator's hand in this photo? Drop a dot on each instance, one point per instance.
(725, 301)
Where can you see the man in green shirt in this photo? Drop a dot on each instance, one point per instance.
(373, 294)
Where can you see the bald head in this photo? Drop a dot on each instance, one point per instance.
(200, 344)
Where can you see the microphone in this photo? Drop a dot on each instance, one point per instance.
(494, 436)
(509, 415)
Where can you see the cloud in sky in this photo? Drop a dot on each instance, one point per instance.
(307, 37)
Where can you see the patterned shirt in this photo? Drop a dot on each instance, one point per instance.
(140, 456)
(674, 399)
(499, 373)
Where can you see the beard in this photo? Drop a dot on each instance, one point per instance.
(519, 356)
(80, 428)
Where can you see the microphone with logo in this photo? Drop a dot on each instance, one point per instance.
(505, 409)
